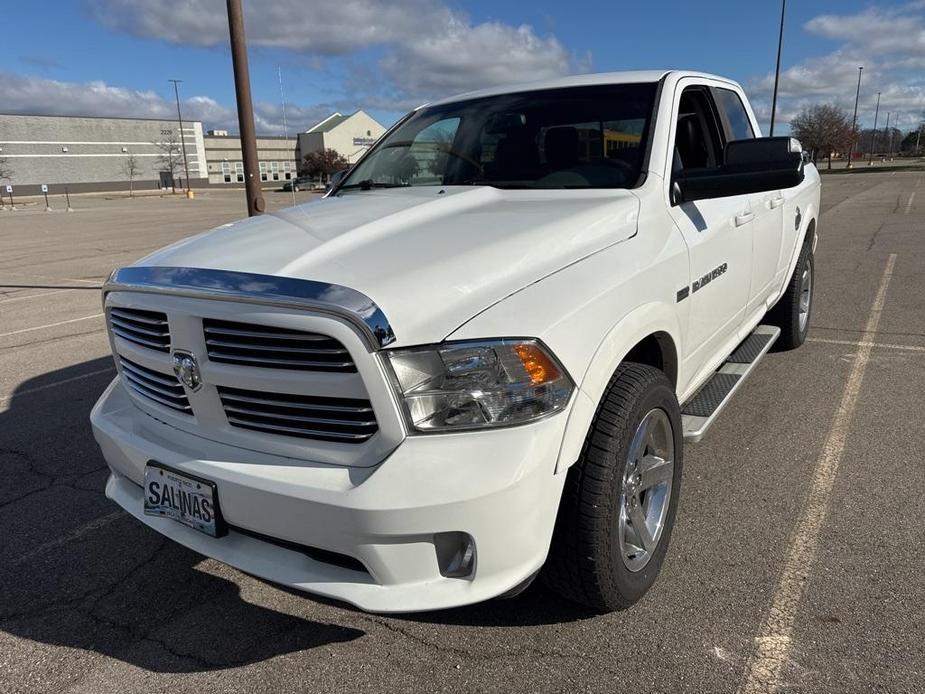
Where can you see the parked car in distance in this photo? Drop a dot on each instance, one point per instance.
(299, 183)
(476, 360)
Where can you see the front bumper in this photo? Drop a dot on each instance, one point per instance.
(497, 486)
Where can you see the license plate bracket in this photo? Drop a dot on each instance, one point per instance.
(185, 498)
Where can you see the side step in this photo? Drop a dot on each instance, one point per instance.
(698, 413)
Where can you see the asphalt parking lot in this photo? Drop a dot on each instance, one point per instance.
(797, 559)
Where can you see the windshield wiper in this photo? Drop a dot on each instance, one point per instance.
(369, 184)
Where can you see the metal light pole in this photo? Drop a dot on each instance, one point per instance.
(242, 87)
(854, 120)
(780, 43)
(887, 129)
(176, 91)
(890, 138)
(873, 135)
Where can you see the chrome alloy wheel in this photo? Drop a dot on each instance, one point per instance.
(647, 480)
(806, 296)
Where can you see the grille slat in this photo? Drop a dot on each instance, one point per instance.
(326, 419)
(300, 403)
(271, 347)
(264, 332)
(125, 325)
(155, 386)
(145, 328)
(301, 418)
(139, 316)
(277, 348)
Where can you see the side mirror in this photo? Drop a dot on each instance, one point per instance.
(749, 166)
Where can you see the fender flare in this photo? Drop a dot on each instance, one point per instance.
(643, 321)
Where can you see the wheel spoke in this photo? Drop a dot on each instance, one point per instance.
(638, 519)
(653, 471)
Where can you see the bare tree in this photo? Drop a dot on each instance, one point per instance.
(823, 128)
(130, 169)
(6, 172)
(170, 158)
(323, 163)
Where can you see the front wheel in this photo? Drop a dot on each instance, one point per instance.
(792, 312)
(620, 497)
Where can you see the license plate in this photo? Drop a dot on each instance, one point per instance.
(185, 498)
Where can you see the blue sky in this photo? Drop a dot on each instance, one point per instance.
(114, 57)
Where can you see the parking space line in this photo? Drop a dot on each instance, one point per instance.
(50, 325)
(860, 343)
(38, 296)
(909, 204)
(774, 641)
(62, 382)
(75, 534)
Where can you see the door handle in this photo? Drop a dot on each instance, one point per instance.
(744, 218)
(774, 203)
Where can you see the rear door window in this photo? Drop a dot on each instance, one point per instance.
(732, 112)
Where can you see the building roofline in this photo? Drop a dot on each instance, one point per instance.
(73, 115)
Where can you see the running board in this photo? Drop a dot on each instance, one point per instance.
(698, 413)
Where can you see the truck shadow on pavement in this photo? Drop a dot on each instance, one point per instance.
(79, 572)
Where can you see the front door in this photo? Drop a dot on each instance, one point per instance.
(717, 232)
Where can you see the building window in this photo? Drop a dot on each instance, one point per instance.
(239, 171)
(274, 168)
(226, 171)
(263, 171)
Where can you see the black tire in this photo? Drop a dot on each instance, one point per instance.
(585, 563)
(786, 312)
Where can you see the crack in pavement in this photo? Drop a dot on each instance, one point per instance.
(466, 653)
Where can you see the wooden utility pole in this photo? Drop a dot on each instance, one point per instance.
(242, 88)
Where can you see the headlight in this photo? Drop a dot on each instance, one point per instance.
(475, 385)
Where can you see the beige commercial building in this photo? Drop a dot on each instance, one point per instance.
(350, 135)
(278, 159)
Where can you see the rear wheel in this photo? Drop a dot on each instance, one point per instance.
(620, 497)
(792, 313)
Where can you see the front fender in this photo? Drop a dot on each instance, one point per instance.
(646, 320)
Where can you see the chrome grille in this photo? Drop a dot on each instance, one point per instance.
(269, 347)
(344, 420)
(161, 388)
(145, 328)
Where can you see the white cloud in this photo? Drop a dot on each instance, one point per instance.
(457, 56)
(321, 28)
(429, 49)
(39, 95)
(876, 30)
(888, 42)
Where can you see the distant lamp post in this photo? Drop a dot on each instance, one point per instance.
(780, 43)
(887, 129)
(854, 120)
(873, 135)
(176, 91)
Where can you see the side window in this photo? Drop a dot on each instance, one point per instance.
(733, 113)
(698, 144)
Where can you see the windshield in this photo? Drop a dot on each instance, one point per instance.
(575, 137)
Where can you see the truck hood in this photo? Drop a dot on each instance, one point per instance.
(430, 258)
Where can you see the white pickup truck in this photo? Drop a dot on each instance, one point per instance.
(477, 357)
